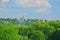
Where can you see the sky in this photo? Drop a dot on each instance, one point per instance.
(30, 9)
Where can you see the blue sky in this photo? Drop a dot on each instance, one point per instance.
(34, 9)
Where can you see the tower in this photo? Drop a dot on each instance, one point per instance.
(22, 19)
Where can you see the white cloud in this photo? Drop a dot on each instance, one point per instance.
(2, 4)
(4, 1)
(33, 3)
(43, 5)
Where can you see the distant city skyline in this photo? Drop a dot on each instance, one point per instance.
(30, 9)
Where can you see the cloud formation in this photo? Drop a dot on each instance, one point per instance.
(2, 4)
(33, 3)
(4, 1)
(43, 5)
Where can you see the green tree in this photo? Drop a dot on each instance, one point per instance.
(8, 33)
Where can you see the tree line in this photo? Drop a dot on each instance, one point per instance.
(37, 30)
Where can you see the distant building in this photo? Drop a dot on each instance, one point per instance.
(7, 22)
(22, 19)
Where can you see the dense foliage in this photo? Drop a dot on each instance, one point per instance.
(8, 32)
(37, 30)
